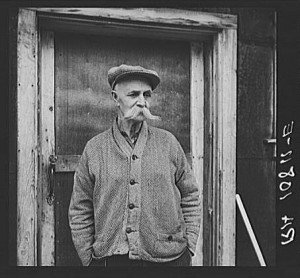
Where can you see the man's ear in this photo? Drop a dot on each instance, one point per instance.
(114, 96)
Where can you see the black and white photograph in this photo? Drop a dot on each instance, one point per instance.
(152, 137)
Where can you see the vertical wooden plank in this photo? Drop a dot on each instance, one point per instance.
(218, 151)
(13, 82)
(47, 141)
(274, 95)
(208, 157)
(26, 138)
(216, 115)
(224, 147)
(197, 131)
(227, 144)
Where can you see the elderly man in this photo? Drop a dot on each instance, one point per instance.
(135, 201)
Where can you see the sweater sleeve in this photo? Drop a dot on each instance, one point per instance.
(81, 213)
(190, 202)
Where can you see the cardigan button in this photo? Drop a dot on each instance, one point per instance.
(128, 230)
(131, 206)
(170, 238)
(132, 182)
(134, 157)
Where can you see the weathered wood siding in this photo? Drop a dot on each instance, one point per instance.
(26, 128)
(256, 172)
(46, 220)
(255, 122)
(197, 130)
(160, 16)
(13, 19)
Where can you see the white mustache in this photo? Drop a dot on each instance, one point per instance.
(134, 112)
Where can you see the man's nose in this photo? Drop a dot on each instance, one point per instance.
(141, 101)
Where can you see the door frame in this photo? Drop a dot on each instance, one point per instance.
(213, 40)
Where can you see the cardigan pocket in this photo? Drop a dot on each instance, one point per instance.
(169, 245)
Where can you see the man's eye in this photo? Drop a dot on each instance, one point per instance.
(133, 94)
(147, 94)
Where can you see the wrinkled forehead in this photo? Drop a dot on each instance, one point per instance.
(133, 83)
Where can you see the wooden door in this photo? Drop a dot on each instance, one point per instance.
(42, 236)
(84, 107)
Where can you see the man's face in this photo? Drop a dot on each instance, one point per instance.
(134, 93)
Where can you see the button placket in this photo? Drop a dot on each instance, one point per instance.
(133, 203)
(134, 189)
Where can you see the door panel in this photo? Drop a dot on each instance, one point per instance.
(83, 104)
(82, 94)
(65, 253)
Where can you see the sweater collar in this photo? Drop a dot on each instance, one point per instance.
(131, 141)
(123, 144)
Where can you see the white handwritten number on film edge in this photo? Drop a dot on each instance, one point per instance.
(287, 230)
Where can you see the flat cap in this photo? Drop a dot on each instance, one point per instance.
(117, 73)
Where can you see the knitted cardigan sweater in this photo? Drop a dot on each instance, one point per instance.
(142, 201)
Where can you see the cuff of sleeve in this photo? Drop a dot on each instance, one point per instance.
(191, 251)
(87, 262)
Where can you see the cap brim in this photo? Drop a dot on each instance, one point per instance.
(153, 79)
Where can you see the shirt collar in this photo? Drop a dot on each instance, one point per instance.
(135, 135)
(124, 146)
